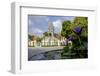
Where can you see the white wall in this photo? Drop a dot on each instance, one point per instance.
(5, 28)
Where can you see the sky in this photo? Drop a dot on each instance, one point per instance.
(37, 25)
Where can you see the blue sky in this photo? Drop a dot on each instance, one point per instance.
(37, 25)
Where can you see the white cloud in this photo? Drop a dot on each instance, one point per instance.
(35, 31)
(58, 25)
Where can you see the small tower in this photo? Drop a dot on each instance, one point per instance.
(51, 28)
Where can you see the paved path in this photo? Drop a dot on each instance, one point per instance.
(35, 50)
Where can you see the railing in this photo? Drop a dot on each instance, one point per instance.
(46, 44)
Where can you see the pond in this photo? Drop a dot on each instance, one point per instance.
(51, 55)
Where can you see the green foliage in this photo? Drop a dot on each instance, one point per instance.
(82, 21)
(49, 34)
(30, 37)
(77, 51)
(49, 55)
(66, 28)
(38, 39)
(80, 42)
(45, 33)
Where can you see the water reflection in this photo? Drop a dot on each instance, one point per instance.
(51, 55)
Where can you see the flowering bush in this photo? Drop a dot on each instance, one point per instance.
(78, 36)
(78, 30)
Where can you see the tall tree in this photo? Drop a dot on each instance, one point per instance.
(83, 22)
(66, 28)
(30, 37)
(45, 33)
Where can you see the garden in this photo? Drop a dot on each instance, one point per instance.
(76, 33)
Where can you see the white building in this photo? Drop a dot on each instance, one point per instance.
(48, 41)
